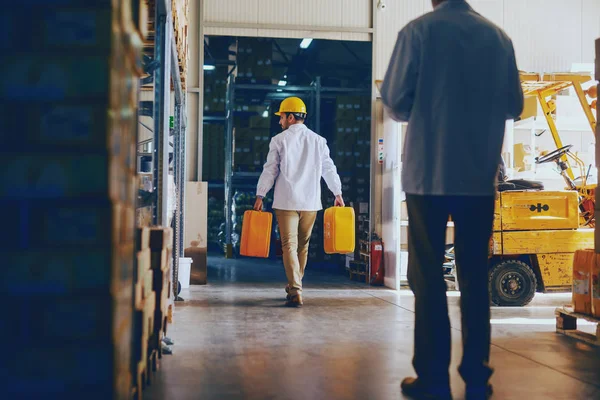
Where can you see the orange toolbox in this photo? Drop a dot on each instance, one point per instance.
(256, 234)
(338, 230)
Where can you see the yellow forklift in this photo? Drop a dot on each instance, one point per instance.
(537, 231)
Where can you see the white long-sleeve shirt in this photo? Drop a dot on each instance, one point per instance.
(453, 77)
(298, 158)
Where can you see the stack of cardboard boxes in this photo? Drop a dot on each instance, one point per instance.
(255, 60)
(586, 282)
(353, 136)
(215, 90)
(213, 148)
(252, 139)
(143, 312)
(161, 255)
(68, 191)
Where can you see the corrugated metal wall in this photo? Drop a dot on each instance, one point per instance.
(548, 35)
(329, 13)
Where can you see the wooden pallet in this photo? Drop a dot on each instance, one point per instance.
(566, 323)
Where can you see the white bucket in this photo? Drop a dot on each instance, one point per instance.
(185, 269)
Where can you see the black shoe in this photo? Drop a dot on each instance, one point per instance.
(414, 388)
(483, 392)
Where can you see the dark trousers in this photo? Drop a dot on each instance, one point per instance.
(473, 218)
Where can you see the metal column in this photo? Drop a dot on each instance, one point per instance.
(318, 104)
(179, 164)
(160, 111)
(229, 106)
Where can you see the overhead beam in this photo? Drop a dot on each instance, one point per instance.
(287, 27)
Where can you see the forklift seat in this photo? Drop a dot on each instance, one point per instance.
(523, 184)
(520, 184)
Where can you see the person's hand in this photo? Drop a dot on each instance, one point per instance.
(258, 204)
(339, 202)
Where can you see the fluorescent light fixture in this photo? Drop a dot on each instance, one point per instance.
(305, 43)
(279, 90)
(282, 83)
(208, 67)
(265, 114)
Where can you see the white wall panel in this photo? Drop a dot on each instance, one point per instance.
(230, 32)
(491, 9)
(546, 33)
(356, 13)
(590, 29)
(299, 34)
(231, 11)
(305, 12)
(359, 37)
(389, 22)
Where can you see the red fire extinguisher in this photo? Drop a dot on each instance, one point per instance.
(377, 269)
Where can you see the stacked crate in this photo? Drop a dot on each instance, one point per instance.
(143, 312)
(215, 90)
(67, 188)
(252, 139)
(161, 251)
(255, 60)
(213, 159)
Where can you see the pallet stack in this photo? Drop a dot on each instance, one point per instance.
(161, 248)
(143, 313)
(181, 10)
(67, 187)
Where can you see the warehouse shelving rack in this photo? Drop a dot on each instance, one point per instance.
(165, 75)
(246, 180)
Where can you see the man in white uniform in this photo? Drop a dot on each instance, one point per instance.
(298, 158)
(453, 78)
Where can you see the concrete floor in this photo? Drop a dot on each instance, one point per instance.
(235, 340)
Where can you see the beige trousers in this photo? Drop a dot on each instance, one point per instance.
(295, 228)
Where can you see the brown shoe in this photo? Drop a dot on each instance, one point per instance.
(288, 296)
(294, 301)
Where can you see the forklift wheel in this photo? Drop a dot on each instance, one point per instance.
(512, 283)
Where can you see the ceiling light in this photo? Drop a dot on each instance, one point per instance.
(208, 67)
(305, 43)
(282, 83)
(265, 114)
(279, 90)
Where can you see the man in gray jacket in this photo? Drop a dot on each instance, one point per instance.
(453, 78)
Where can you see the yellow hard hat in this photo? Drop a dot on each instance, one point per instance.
(292, 105)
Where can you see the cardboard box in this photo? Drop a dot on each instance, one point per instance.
(198, 274)
(583, 263)
(595, 282)
(144, 264)
(195, 234)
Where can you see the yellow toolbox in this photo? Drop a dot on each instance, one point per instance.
(338, 230)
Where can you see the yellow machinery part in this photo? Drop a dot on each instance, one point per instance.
(539, 210)
(556, 269)
(547, 241)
